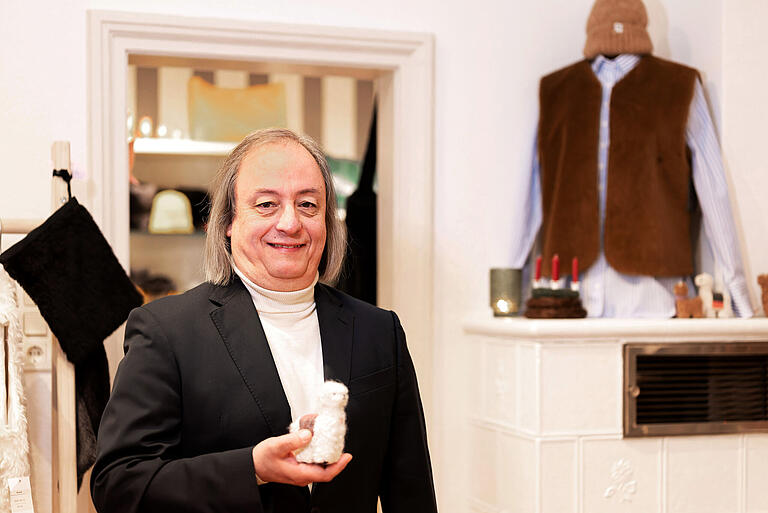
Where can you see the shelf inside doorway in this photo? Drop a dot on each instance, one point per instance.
(170, 146)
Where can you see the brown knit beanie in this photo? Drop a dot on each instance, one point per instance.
(617, 26)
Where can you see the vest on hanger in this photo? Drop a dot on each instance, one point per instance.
(648, 209)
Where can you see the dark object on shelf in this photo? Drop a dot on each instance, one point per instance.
(687, 308)
(68, 269)
(141, 204)
(201, 206)
(359, 276)
(153, 286)
(554, 304)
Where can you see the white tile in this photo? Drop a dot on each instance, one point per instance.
(621, 475)
(558, 476)
(499, 380)
(485, 480)
(702, 474)
(476, 375)
(581, 388)
(34, 324)
(517, 476)
(527, 386)
(757, 473)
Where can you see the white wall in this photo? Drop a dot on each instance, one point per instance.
(745, 110)
(489, 57)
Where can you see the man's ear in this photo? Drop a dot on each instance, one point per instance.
(229, 230)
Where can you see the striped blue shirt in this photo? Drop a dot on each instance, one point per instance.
(606, 292)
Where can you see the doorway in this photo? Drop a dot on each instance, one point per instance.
(400, 63)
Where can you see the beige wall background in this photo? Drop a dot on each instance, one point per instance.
(489, 57)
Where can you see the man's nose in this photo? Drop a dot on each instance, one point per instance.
(289, 220)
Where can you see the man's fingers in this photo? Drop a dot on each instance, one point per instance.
(340, 464)
(318, 474)
(273, 461)
(292, 441)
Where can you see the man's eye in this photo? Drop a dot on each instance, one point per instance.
(266, 204)
(307, 204)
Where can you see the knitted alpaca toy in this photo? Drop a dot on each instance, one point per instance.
(328, 426)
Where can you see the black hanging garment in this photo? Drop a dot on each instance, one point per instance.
(359, 276)
(69, 270)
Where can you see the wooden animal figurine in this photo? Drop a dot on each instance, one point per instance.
(762, 280)
(687, 307)
(328, 426)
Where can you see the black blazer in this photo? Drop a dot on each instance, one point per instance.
(198, 388)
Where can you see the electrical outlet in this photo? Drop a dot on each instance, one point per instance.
(37, 353)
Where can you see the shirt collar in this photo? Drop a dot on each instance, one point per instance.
(273, 301)
(613, 70)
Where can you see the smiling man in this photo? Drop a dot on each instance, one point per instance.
(278, 233)
(211, 379)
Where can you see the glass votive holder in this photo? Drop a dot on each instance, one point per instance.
(505, 291)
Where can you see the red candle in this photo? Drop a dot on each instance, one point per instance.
(575, 270)
(538, 268)
(555, 268)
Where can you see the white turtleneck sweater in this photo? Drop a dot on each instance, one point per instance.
(293, 334)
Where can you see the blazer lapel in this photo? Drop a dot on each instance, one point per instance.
(240, 329)
(336, 335)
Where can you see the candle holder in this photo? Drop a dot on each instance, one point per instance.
(505, 291)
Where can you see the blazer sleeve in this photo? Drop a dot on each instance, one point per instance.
(407, 483)
(138, 466)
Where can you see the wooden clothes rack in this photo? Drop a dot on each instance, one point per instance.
(63, 471)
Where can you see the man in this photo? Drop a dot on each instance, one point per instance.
(212, 378)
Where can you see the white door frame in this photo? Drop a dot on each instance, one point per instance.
(405, 63)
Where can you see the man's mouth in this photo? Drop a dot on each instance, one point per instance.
(286, 246)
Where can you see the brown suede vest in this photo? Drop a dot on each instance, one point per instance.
(648, 213)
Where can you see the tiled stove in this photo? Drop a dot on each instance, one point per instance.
(546, 425)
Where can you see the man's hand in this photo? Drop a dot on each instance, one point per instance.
(274, 462)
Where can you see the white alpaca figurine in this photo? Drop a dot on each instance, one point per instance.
(328, 426)
(704, 282)
(711, 307)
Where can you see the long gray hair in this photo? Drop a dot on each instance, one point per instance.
(218, 251)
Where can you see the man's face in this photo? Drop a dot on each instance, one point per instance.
(278, 231)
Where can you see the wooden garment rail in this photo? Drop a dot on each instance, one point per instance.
(19, 226)
(63, 422)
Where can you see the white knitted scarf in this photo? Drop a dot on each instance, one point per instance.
(14, 444)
